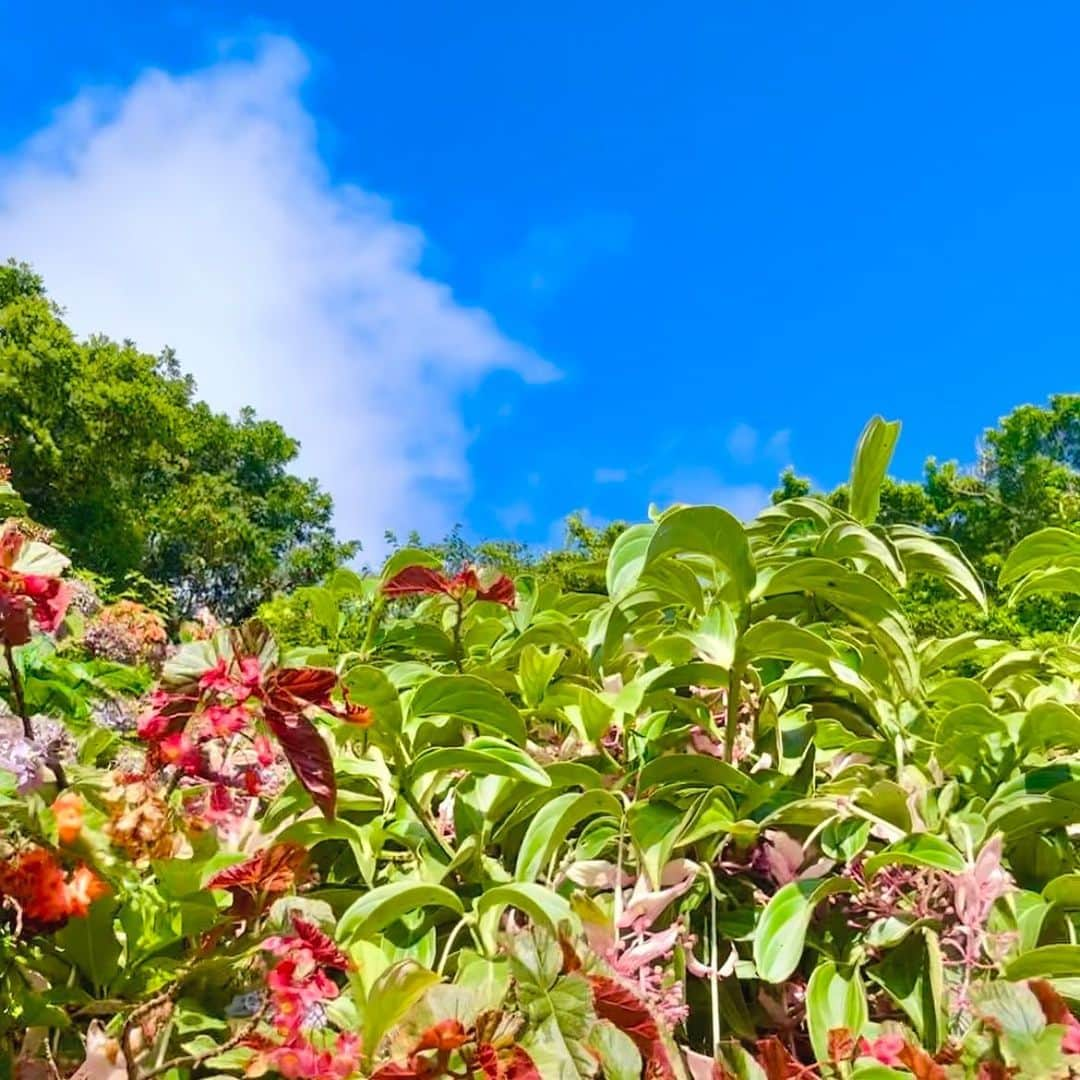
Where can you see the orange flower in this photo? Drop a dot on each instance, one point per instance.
(68, 811)
(82, 890)
(36, 882)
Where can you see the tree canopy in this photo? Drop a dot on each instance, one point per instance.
(110, 447)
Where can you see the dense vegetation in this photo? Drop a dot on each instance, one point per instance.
(694, 800)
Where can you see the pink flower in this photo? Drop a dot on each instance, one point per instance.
(885, 1048)
(217, 678)
(225, 721)
(646, 906)
(264, 750)
(980, 886)
(179, 750)
(1070, 1043)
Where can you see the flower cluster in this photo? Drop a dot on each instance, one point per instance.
(45, 895)
(127, 633)
(213, 732)
(140, 823)
(26, 596)
(299, 987)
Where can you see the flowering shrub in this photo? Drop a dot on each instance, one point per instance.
(127, 632)
(729, 819)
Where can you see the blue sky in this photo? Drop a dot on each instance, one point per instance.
(496, 262)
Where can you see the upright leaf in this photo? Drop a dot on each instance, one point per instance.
(872, 456)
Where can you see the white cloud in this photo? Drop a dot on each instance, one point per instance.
(514, 515)
(609, 476)
(194, 211)
(703, 486)
(778, 448)
(742, 443)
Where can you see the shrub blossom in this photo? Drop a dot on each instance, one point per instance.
(46, 896)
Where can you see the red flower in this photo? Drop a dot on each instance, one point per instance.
(36, 881)
(23, 595)
(445, 1036)
(422, 580)
(179, 750)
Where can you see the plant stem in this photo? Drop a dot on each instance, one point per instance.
(458, 658)
(374, 619)
(461, 924)
(17, 690)
(731, 721)
(414, 804)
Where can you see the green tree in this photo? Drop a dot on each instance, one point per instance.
(109, 447)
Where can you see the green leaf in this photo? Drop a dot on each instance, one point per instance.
(387, 903)
(91, 943)
(654, 827)
(1050, 725)
(391, 996)
(939, 557)
(552, 824)
(849, 540)
(785, 641)
(627, 559)
(1047, 962)
(618, 1056)
(780, 934)
(709, 533)
(370, 687)
(694, 770)
(1040, 550)
(472, 699)
(545, 908)
(1013, 1007)
(919, 849)
(872, 456)
(913, 975)
(1063, 579)
(835, 998)
(484, 756)
(559, 1008)
(536, 669)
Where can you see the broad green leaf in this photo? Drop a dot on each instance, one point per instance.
(370, 686)
(1046, 962)
(1051, 725)
(872, 456)
(1055, 579)
(618, 1056)
(835, 998)
(938, 557)
(709, 533)
(1013, 1007)
(545, 908)
(91, 943)
(471, 698)
(1064, 891)
(38, 558)
(849, 540)
(559, 1007)
(483, 756)
(780, 935)
(913, 975)
(553, 823)
(785, 641)
(654, 827)
(387, 903)
(694, 770)
(391, 996)
(1039, 551)
(627, 559)
(919, 849)
(536, 669)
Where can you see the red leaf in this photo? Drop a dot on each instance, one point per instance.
(500, 591)
(444, 1036)
(321, 945)
(1053, 1004)
(841, 1044)
(393, 1071)
(520, 1066)
(286, 688)
(778, 1064)
(623, 1008)
(509, 1064)
(308, 755)
(416, 579)
(272, 870)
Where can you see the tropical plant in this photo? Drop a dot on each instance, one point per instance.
(727, 817)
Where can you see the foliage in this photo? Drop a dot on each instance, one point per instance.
(728, 816)
(109, 447)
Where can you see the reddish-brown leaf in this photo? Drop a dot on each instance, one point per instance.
(919, 1062)
(778, 1064)
(1053, 1004)
(841, 1044)
(273, 870)
(308, 755)
(416, 579)
(500, 591)
(444, 1036)
(321, 945)
(287, 688)
(620, 1006)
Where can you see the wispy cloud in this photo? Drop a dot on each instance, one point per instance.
(194, 211)
(742, 443)
(609, 476)
(703, 486)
